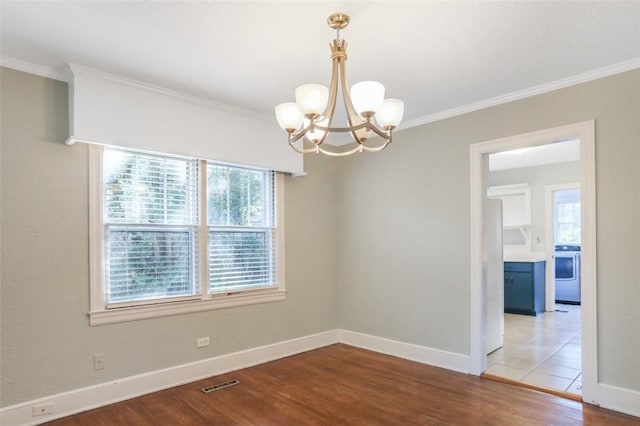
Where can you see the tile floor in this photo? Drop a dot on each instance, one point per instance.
(544, 350)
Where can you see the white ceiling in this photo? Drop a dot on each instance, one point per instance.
(557, 152)
(439, 57)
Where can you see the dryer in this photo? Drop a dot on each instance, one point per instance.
(567, 274)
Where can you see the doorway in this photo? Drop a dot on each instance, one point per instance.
(540, 199)
(479, 152)
(565, 197)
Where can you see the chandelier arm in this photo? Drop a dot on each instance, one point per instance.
(331, 104)
(358, 148)
(346, 95)
(293, 137)
(333, 86)
(314, 149)
(381, 133)
(337, 53)
(364, 125)
(342, 129)
(352, 116)
(376, 148)
(384, 135)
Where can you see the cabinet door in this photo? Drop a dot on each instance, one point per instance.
(509, 292)
(522, 291)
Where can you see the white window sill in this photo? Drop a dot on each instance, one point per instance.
(110, 316)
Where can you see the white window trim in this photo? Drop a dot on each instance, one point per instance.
(99, 315)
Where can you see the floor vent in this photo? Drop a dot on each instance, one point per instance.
(219, 386)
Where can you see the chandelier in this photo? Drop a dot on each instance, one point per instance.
(311, 116)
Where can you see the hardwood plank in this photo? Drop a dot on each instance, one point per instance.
(340, 384)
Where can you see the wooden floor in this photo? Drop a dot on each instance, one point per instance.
(343, 385)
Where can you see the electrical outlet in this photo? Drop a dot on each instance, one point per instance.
(41, 410)
(98, 362)
(202, 342)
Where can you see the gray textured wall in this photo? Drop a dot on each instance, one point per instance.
(403, 242)
(47, 344)
(391, 229)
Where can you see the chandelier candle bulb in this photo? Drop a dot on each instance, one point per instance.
(309, 118)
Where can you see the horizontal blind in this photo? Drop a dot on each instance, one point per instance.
(148, 264)
(151, 219)
(145, 188)
(241, 259)
(242, 236)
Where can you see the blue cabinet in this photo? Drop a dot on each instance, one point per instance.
(524, 287)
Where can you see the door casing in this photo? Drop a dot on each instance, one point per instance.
(585, 132)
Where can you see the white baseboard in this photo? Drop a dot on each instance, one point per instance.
(619, 399)
(78, 400)
(422, 354)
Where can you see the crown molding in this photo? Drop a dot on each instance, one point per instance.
(609, 70)
(31, 68)
(62, 75)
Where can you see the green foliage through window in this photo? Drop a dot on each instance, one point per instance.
(147, 264)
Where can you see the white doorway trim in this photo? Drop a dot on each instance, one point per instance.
(549, 238)
(585, 132)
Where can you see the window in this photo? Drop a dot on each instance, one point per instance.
(241, 228)
(174, 234)
(567, 216)
(150, 227)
